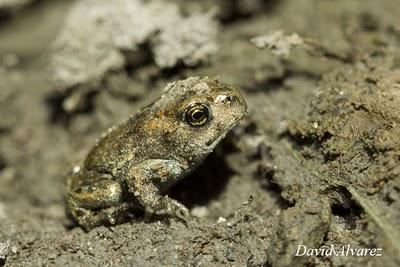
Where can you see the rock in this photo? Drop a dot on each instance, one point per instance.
(97, 36)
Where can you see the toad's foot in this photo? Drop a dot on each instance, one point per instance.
(167, 206)
(89, 219)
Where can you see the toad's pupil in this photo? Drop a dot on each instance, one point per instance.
(198, 115)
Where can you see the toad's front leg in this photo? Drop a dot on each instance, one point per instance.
(148, 179)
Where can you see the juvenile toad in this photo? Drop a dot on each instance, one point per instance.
(131, 166)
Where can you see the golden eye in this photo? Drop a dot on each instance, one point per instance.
(197, 114)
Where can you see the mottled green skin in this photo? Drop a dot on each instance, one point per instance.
(132, 165)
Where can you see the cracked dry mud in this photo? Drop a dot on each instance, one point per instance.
(314, 163)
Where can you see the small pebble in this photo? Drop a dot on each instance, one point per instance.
(221, 220)
(199, 212)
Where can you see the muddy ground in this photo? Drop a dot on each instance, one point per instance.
(316, 162)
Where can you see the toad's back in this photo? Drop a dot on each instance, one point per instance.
(127, 143)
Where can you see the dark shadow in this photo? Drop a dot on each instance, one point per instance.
(265, 175)
(265, 171)
(278, 83)
(3, 163)
(346, 208)
(205, 183)
(139, 58)
(236, 14)
(18, 12)
(57, 114)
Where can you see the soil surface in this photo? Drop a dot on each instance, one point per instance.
(316, 161)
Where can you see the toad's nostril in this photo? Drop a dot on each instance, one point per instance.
(224, 98)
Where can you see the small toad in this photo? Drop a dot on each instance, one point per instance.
(136, 162)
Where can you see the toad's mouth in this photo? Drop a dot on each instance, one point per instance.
(221, 135)
(213, 142)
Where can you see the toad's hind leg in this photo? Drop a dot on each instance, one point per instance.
(96, 204)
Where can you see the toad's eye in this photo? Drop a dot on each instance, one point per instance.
(197, 115)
